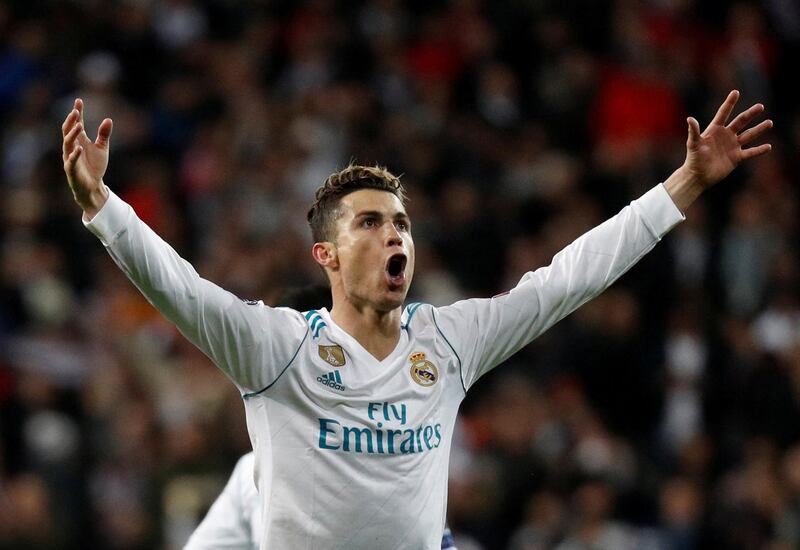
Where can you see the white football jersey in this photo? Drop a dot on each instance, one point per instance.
(352, 452)
(234, 520)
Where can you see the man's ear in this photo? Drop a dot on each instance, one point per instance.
(325, 255)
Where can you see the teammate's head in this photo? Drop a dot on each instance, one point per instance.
(362, 236)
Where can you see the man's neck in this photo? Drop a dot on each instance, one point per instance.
(378, 332)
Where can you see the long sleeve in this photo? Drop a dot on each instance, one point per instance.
(485, 332)
(250, 342)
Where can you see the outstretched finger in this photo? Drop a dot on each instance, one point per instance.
(79, 108)
(725, 110)
(69, 140)
(104, 133)
(694, 133)
(69, 121)
(743, 119)
(754, 132)
(756, 151)
(83, 138)
(72, 159)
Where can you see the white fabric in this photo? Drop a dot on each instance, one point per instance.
(234, 520)
(362, 463)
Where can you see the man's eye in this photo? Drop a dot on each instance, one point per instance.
(402, 226)
(368, 222)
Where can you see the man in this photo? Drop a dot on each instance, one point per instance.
(350, 412)
(234, 520)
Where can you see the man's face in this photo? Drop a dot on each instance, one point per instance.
(374, 249)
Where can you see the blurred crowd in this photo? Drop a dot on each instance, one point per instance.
(663, 415)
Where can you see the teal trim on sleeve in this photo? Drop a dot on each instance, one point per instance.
(316, 321)
(411, 309)
(319, 328)
(253, 394)
(460, 369)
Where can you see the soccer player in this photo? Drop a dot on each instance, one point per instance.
(350, 411)
(234, 520)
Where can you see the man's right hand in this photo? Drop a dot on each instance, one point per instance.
(85, 161)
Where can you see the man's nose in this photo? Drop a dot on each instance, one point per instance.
(393, 237)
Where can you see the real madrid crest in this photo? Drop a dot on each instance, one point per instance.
(333, 355)
(423, 372)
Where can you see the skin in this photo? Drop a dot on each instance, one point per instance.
(714, 153)
(364, 303)
(373, 226)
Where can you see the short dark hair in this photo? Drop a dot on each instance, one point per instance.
(324, 212)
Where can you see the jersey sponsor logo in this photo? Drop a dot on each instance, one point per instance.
(332, 379)
(333, 355)
(387, 432)
(423, 372)
(335, 436)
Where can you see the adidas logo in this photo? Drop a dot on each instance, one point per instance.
(332, 380)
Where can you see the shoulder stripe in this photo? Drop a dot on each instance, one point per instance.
(460, 369)
(319, 327)
(410, 311)
(315, 322)
(253, 394)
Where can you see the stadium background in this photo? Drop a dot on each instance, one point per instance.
(662, 415)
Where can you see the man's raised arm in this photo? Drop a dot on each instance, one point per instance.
(713, 154)
(85, 161)
(485, 332)
(250, 343)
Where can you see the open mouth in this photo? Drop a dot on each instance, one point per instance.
(395, 269)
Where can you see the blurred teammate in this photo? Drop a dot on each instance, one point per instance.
(234, 520)
(350, 411)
